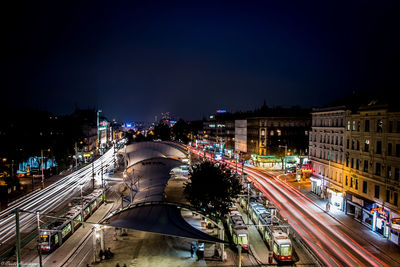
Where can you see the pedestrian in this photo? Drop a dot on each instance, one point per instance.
(328, 206)
(115, 235)
(101, 254)
(109, 253)
(117, 265)
(197, 254)
(192, 249)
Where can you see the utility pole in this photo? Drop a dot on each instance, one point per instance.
(18, 236)
(93, 175)
(41, 155)
(236, 157)
(94, 244)
(38, 246)
(98, 130)
(248, 201)
(284, 160)
(12, 168)
(221, 236)
(81, 197)
(76, 155)
(102, 181)
(239, 248)
(114, 161)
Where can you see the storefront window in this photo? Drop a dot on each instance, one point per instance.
(379, 225)
(367, 218)
(357, 214)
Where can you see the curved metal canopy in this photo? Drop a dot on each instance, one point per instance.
(158, 217)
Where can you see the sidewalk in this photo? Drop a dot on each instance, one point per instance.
(138, 248)
(350, 227)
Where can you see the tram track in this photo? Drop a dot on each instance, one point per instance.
(340, 250)
(46, 200)
(318, 230)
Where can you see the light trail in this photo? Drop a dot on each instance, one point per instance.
(359, 248)
(316, 229)
(49, 198)
(333, 247)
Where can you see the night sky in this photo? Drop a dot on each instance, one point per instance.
(193, 57)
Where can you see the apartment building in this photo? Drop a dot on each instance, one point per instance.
(326, 152)
(355, 153)
(371, 169)
(265, 136)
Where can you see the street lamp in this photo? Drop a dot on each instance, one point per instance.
(98, 130)
(284, 159)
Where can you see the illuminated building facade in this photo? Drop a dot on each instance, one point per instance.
(372, 167)
(326, 152)
(355, 153)
(266, 135)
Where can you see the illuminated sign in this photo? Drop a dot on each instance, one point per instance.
(357, 200)
(382, 213)
(103, 123)
(396, 223)
(128, 125)
(221, 111)
(218, 157)
(375, 209)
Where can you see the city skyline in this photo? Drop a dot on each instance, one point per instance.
(193, 58)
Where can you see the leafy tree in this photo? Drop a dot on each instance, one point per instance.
(212, 189)
(162, 131)
(181, 130)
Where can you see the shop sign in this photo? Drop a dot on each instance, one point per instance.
(375, 209)
(382, 213)
(396, 223)
(357, 201)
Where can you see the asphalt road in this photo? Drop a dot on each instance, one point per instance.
(48, 199)
(322, 233)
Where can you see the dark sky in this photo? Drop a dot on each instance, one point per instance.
(192, 57)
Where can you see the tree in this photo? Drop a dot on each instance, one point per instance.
(181, 130)
(162, 131)
(212, 189)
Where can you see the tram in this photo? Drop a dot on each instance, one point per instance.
(273, 234)
(56, 233)
(238, 229)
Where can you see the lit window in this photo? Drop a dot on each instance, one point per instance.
(379, 126)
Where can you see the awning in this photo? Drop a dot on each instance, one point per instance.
(158, 218)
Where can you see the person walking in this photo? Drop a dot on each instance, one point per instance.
(328, 206)
(192, 249)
